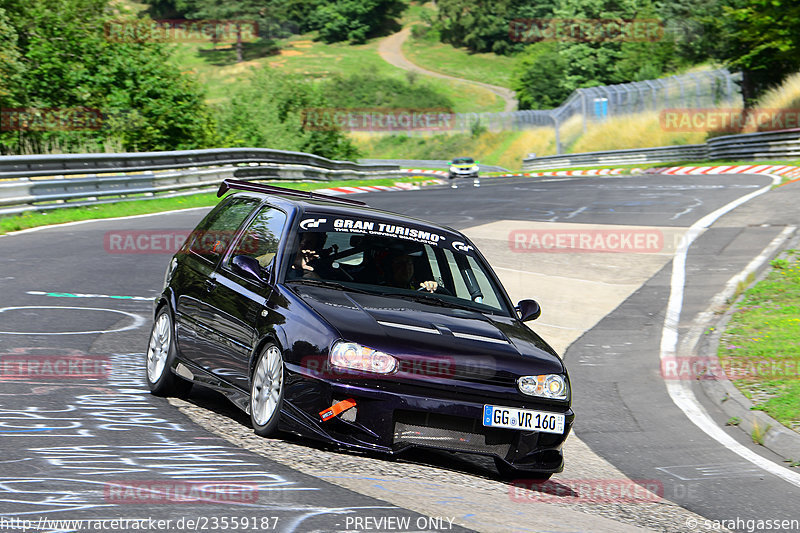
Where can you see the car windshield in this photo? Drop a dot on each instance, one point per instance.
(414, 263)
(463, 161)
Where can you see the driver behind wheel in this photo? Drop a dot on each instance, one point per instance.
(402, 274)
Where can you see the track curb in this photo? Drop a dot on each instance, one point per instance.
(722, 393)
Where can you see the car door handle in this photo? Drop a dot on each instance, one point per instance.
(210, 284)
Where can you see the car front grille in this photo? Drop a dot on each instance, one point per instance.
(450, 432)
(488, 376)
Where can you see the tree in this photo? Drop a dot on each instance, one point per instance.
(760, 38)
(540, 78)
(67, 61)
(269, 112)
(170, 9)
(489, 25)
(225, 10)
(370, 89)
(10, 65)
(355, 20)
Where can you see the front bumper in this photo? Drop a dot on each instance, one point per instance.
(392, 421)
(463, 173)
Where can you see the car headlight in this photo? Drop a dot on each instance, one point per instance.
(356, 357)
(545, 386)
(474, 167)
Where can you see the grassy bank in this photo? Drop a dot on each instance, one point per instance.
(762, 342)
(506, 149)
(434, 55)
(217, 69)
(156, 205)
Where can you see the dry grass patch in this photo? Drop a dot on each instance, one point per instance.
(634, 131)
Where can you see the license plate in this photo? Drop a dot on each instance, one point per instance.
(523, 419)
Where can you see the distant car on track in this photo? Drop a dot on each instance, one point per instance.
(463, 167)
(364, 328)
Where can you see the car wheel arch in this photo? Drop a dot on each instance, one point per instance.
(270, 337)
(166, 298)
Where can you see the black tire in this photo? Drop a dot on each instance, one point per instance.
(266, 391)
(508, 472)
(160, 354)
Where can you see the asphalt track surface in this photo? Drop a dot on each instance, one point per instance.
(65, 440)
(623, 411)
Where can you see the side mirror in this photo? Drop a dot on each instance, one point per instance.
(247, 267)
(528, 310)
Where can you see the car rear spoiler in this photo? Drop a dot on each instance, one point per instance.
(242, 185)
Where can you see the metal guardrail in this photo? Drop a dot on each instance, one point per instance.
(28, 166)
(42, 182)
(783, 144)
(690, 152)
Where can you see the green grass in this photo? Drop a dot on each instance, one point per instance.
(490, 148)
(415, 10)
(217, 70)
(761, 342)
(157, 205)
(444, 58)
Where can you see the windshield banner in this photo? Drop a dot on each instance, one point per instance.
(380, 228)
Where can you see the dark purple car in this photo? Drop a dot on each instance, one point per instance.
(320, 316)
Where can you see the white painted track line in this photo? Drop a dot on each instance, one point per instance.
(680, 391)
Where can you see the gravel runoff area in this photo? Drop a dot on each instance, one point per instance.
(436, 491)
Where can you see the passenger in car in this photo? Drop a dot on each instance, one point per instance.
(306, 259)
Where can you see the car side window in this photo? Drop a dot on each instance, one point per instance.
(214, 234)
(261, 238)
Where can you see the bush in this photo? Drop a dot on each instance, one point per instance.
(68, 63)
(371, 90)
(540, 78)
(269, 111)
(355, 20)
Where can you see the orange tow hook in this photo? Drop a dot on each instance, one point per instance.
(337, 409)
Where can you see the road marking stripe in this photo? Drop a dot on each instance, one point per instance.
(79, 295)
(680, 391)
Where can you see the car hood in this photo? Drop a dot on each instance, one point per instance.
(409, 328)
